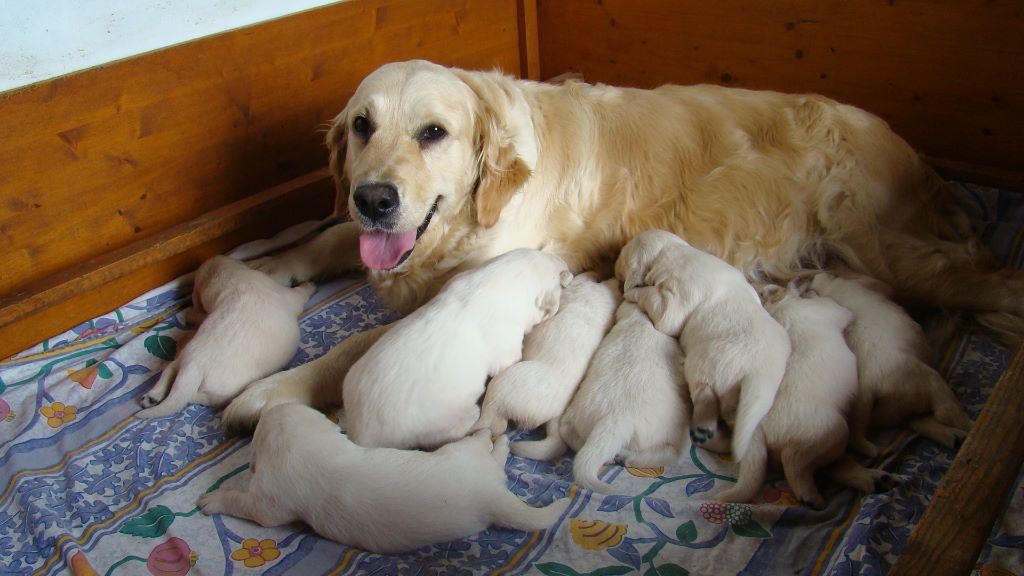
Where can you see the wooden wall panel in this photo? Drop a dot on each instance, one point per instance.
(93, 161)
(946, 75)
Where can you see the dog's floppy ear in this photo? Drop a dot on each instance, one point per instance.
(548, 303)
(506, 142)
(337, 140)
(565, 278)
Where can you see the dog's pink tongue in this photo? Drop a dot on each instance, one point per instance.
(381, 250)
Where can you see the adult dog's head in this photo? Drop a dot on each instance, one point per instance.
(421, 149)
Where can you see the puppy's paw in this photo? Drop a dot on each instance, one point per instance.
(813, 501)
(150, 400)
(209, 503)
(886, 482)
(864, 447)
(701, 435)
(244, 411)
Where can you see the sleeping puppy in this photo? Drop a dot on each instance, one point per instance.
(735, 352)
(897, 385)
(555, 358)
(378, 499)
(418, 386)
(806, 428)
(630, 404)
(248, 330)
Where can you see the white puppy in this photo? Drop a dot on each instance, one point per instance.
(631, 403)
(418, 386)
(555, 358)
(248, 330)
(897, 386)
(378, 499)
(735, 352)
(806, 428)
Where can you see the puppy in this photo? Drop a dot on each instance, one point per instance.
(378, 499)
(806, 428)
(735, 352)
(555, 358)
(248, 330)
(631, 403)
(897, 385)
(418, 386)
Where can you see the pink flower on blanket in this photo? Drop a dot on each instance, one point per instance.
(172, 558)
(6, 414)
(58, 414)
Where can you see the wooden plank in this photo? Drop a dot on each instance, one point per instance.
(529, 42)
(946, 75)
(96, 160)
(954, 528)
(97, 286)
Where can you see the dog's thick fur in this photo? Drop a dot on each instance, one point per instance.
(378, 499)
(248, 329)
(760, 179)
(418, 386)
(806, 428)
(555, 359)
(632, 402)
(735, 351)
(897, 386)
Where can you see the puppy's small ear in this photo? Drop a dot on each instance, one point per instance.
(548, 303)
(565, 278)
(337, 141)
(506, 142)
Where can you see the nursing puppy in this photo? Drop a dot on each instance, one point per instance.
(735, 352)
(378, 499)
(897, 386)
(248, 330)
(555, 358)
(806, 428)
(630, 404)
(418, 386)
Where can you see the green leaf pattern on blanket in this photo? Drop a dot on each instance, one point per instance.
(163, 347)
(151, 524)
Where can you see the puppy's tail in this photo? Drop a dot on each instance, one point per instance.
(520, 393)
(752, 471)
(547, 449)
(605, 441)
(184, 389)
(756, 397)
(511, 512)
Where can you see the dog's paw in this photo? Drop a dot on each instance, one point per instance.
(701, 435)
(886, 482)
(282, 269)
(814, 502)
(149, 400)
(864, 447)
(209, 503)
(244, 411)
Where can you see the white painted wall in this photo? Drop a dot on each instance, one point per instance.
(41, 39)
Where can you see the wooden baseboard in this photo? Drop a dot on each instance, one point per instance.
(98, 285)
(954, 528)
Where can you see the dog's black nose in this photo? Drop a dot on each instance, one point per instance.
(376, 200)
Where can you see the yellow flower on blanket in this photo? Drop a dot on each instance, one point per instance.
(646, 472)
(58, 414)
(255, 553)
(596, 534)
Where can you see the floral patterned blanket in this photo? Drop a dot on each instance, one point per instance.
(86, 488)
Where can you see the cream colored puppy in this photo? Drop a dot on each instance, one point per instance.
(555, 358)
(418, 386)
(897, 386)
(806, 428)
(630, 404)
(735, 352)
(378, 499)
(248, 330)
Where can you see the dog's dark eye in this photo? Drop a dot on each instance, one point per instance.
(431, 134)
(361, 126)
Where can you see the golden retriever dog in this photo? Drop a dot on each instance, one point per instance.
(442, 169)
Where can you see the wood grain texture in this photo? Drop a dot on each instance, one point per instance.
(959, 518)
(529, 42)
(93, 161)
(946, 75)
(101, 284)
